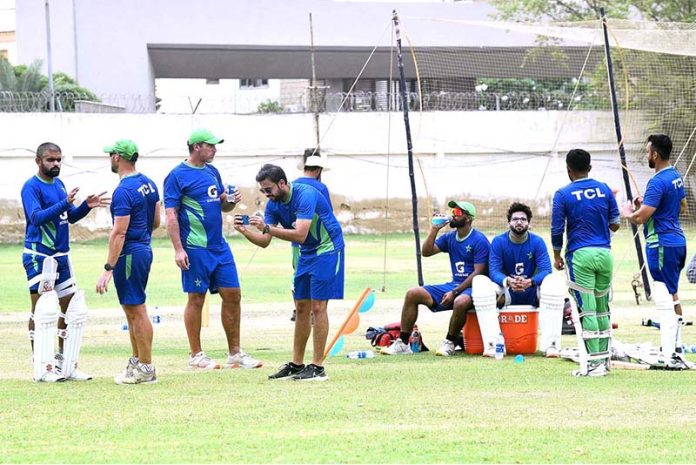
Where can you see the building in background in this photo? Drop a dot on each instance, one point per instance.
(8, 41)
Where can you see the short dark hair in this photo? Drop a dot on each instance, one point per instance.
(578, 160)
(271, 172)
(662, 144)
(519, 207)
(47, 147)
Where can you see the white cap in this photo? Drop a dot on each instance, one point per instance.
(314, 160)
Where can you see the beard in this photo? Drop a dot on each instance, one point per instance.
(519, 230)
(51, 173)
(651, 163)
(458, 224)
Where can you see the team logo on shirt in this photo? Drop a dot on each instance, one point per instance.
(63, 218)
(519, 269)
(677, 183)
(213, 192)
(589, 194)
(459, 266)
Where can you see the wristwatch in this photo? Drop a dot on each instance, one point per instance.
(108, 267)
(266, 229)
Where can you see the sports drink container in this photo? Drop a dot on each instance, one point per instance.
(360, 354)
(500, 347)
(229, 189)
(439, 220)
(415, 341)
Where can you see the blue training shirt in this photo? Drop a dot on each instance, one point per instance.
(464, 253)
(307, 203)
(529, 259)
(136, 196)
(47, 214)
(664, 192)
(195, 192)
(318, 185)
(584, 208)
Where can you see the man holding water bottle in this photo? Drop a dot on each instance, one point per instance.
(194, 199)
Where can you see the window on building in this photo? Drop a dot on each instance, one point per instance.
(253, 83)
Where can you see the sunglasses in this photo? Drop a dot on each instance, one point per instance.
(266, 190)
(457, 211)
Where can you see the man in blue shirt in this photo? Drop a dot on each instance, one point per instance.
(468, 251)
(48, 209)
(300, 213)
(587, 211)
(665, 244)
(135, 211)
(312, 166)
(194, 199)
(519, 268)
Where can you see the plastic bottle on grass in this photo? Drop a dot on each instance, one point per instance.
(415, 341)
(360, 354)
(500, 347)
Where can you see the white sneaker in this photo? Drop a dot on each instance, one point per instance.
(50, 377)
(446, 349)
(489, 351)
(242, 360)
(127, 372)
(552, 352)
(141, 374)
(397, 348)
(200, 361)
(594, 370)
(76, 374)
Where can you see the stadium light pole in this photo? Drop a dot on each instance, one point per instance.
(409, 145)
(49, 60)
(622, 154)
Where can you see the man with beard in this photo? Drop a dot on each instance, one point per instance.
(194, 199)
(468, 251)
(520, 274)
(135, 210)
(665, 243)
(299, 213)
(48, 209)
(586, 209)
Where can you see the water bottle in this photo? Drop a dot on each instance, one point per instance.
(360, 354)
(156, 319)
(229, 189)
(439, 220)
(415, 341)
(500, 347)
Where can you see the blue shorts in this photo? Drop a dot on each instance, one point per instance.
(665, 265)
(320, 277)
(130, 276)
(33, 264)
(209, 270)
(438, 291)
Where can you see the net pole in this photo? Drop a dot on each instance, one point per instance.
(622, 153)
(409, 145)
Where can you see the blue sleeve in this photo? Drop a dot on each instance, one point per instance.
(172, 191)
(442, 243)
(32, 206)
(481, 250)
(558, 217)
(495, 262)
(653, 193)
(269, 216)
(614, 216)
(306, 203)
(75, 214)
(543, 262)
(121, 203)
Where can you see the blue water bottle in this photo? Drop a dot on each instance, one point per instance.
(415, 341)
(500, 347)
(360, 354)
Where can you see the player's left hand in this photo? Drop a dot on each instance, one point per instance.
(627, 209)
(448, 298)
(558, 263)
(98, 200)
(103, 282)
(257, 222)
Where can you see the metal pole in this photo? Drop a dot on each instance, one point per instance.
(314, 82)
(409, 145)
(49, 60)
(622, 154)
(74, 17)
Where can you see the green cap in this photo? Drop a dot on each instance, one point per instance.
(203, 135)
(124, 147)
(466, 206)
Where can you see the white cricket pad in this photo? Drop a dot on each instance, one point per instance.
(552, 292)
(483, 293)
(75, 318)
(45, 320)
(669, 323)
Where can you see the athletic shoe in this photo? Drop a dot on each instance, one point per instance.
(200, 361)
(446, 349)
(50, 377)
(552, 352)
(397, 348)
(311, 372)
(678, 362)
(128, 371)
(287, 371)
(76, 374)
(242, 360)
(599, 369)
(489, 351)
(141, 374)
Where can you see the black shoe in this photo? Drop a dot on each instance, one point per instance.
(287, 371)
(294, 315)
(311, 372)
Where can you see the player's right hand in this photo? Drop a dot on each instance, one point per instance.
(558, 263)
(182, 260)
(72, 194)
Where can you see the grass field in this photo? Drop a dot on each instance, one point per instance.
(407, 409)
